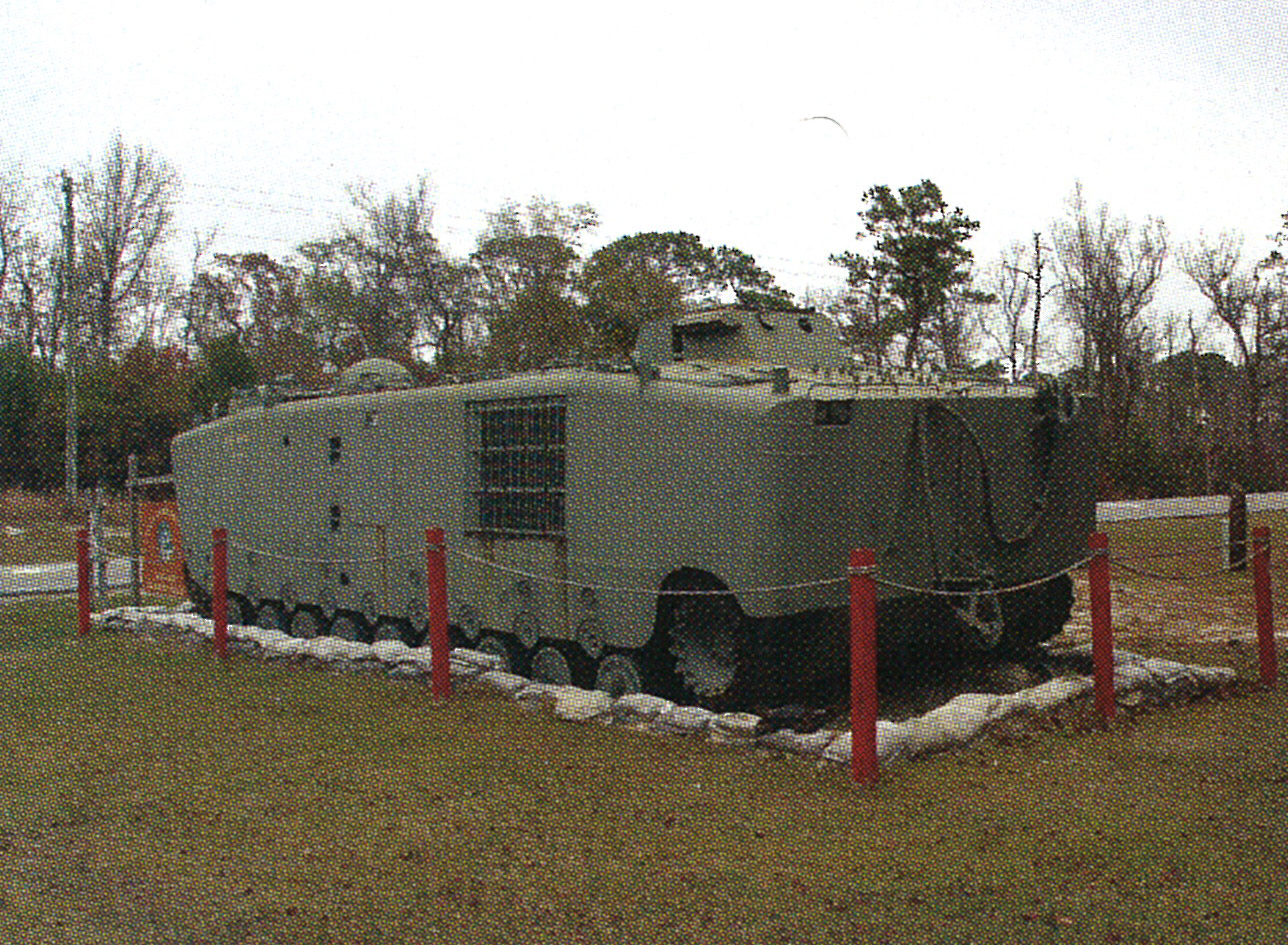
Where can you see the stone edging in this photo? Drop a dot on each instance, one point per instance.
(956, 722)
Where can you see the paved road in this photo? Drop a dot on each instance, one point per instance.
(59, 578)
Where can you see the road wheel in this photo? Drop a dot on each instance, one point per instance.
(390, 629)
(551, 666)
(512, 656)
(307, 624)
(1036, 614)
(350, 627)
(271, 616)
(619, 675)
(417, 634)
(241, 611)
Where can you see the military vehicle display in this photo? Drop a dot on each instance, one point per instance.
(679, 525)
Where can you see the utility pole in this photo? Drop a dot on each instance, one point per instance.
(71, 339)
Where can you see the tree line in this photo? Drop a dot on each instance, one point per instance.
(159, 346)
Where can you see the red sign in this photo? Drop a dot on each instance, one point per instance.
(162, 549)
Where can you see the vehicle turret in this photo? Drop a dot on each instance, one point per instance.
(799, 339)
(373, 374)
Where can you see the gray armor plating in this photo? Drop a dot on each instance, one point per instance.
(742, 453)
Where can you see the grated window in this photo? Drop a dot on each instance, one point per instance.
(519, 464)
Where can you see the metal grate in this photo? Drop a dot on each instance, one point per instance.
(519, 465)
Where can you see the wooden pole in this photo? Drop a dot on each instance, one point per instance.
(1236, 530)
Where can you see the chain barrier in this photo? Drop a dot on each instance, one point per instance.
(651, 591)
(377, 559)
(1121, 562)
(1117, 560)
(770, 589)
(943, 592)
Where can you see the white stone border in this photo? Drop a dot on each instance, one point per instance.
(956, 722)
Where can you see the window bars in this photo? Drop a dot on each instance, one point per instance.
(519, 466)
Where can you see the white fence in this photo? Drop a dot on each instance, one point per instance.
(1185, 506)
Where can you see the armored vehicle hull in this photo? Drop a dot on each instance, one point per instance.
(681, 526)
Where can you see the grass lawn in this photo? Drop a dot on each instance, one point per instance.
(34, 529)
(151, 794)
(1138, 537)
(1224, 595)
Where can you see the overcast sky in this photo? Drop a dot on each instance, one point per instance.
(670, 116)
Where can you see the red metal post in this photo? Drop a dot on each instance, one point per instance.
(1265, 605)
(436, 603)
(82, 582)
(863, 667)
(1102, 632)
(219, 592)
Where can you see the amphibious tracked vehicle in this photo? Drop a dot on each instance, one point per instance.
(741, 453)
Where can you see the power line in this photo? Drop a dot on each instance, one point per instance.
(456, 225)
(269, 193)
(465, 226)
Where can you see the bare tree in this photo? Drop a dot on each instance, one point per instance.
(1174, 405)
(18, 251)
(13, 225)
(33, 313)
(1109, 275)
(867, 311)
(28, 274)
(127, 205)
(184, 304)
(385, 281)
(156, 315)
(212, 305)
(258, 300)
(1250, 304)
(1003, 323)
(1013, 298)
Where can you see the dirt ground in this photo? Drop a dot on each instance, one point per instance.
(1191, 621)
(1201, 612)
